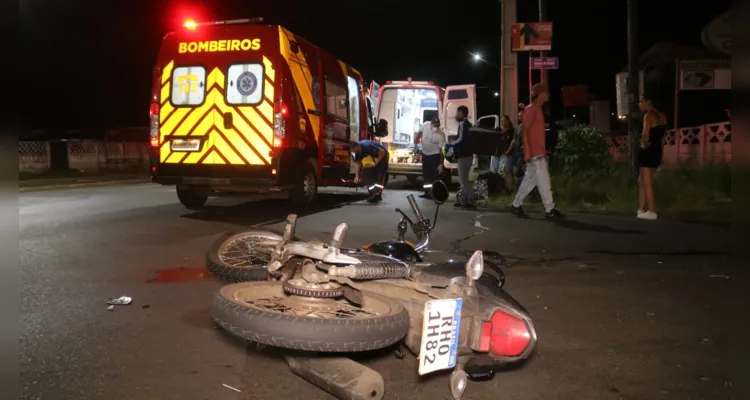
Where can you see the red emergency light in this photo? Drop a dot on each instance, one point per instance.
(190, 24)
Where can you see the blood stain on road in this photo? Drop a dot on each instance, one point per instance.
(181, 275)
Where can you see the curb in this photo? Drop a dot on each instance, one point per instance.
(82, 184)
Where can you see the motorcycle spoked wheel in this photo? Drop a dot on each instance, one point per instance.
(238, 256)
(263, 312)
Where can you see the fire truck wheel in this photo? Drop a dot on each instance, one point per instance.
(191, 198)
(305, 189)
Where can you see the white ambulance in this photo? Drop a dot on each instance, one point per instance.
(406, 105)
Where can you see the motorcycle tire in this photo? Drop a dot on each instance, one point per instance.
(222, 269)
(233, 311)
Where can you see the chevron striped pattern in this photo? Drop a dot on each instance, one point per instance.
(248, 142)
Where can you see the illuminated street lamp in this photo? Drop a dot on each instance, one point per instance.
(478, 57)
(497, 94)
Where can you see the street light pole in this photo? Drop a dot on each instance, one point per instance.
(508, 63)
(543, 17)
(633, 78)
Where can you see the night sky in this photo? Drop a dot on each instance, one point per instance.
(98, 55)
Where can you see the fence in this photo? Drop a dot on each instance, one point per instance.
(33, 156)
(701, 145)
(85, 155)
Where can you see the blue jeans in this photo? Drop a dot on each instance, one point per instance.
(506, 162)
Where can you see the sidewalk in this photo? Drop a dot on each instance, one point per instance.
(70, 179)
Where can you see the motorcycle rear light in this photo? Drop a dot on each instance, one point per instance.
(484, 341)
(509, 335)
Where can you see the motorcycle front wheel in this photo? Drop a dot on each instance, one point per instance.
(263, 312)
(240, 257)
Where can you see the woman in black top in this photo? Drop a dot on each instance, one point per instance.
(649, 157)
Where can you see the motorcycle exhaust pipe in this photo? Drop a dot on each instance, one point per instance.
(370, 271)
(343, 378)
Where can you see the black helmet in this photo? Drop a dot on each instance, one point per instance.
(464, 109)
(436, 120)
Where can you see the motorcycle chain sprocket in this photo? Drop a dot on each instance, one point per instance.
(299, 287)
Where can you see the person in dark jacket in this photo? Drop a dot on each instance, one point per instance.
(464, 158)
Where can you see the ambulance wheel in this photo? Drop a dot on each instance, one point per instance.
(305, 189)
(191, 198)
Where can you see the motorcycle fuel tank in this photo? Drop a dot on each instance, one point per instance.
(397, 249)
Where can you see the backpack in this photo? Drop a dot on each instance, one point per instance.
(495, 183)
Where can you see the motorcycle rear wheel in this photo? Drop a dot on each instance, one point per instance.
(262, 312)
(236, 256)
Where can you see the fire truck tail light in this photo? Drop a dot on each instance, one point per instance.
(153, 114)
(281, 112)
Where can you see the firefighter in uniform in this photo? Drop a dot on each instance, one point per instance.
(371, 163)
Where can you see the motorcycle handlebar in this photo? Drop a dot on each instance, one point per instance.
(415, 207)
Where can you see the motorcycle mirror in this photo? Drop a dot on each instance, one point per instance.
(439, 192)
(475, 266)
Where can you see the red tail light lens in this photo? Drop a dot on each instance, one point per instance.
(153, 110)
(153, 116)
(279, 124)
(505, 335)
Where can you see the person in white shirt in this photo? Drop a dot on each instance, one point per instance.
(433, 139)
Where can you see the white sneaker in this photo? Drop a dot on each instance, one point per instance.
(647, 215)
(639, 212)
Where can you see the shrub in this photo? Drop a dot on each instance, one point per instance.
(584, 151)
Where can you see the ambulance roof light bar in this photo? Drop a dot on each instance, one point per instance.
(191, 24)
(409, 82)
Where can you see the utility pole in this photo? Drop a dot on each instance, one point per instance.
(542, 18)
(633, 92)
(508, 63)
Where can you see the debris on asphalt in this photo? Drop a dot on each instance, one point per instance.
(122, 301)
(111, 308)
(620, 273)
(231, 388)
(659, 262)
(720, 276)
(145, 306)
(650, 314)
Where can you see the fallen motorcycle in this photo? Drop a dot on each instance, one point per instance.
(319, 297)
(243, 256)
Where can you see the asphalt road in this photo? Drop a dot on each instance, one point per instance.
(625, 309)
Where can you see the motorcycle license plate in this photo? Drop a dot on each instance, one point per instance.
(186, 145)
(439, 348)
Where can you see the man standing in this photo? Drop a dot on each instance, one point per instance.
(464, 158)
(516, 148)
(535, 156)
(433, 140)
(373, 158)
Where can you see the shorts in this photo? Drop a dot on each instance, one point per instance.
(650, 157)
